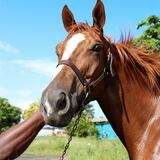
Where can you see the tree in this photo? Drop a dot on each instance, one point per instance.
(9, 115)
(86, 127)
(151, 36)
(89, 110)
(32, 108)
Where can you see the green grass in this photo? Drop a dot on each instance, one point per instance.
(80, 148)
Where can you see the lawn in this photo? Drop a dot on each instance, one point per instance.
(80, 148)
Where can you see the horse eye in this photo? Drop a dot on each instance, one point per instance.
(97, 48)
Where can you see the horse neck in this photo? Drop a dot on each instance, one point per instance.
(131, 111)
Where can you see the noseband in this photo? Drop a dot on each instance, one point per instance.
(88, 86)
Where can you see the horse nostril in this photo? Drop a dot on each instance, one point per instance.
(61, 103)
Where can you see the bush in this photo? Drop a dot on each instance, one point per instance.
(150, 38)
(9, 115)
(32, 108)
(86, 127)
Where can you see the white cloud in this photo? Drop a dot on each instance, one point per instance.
(3, 92)
(44, 67)
(21, 103)
(6, 47)
(18, 98)
(24, 93)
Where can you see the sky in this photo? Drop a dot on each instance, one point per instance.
(30, 30)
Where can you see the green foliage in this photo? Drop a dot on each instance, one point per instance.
(48, 145)
(9, 114)
(80, 148)
(85, 127)
(151, 36)
(32, 108)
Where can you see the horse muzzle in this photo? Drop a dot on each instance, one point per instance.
(56, 108)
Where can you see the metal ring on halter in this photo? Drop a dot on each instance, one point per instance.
(83, 105)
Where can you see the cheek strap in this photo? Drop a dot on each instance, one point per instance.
(76, 70)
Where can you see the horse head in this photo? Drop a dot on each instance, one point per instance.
(82, 65)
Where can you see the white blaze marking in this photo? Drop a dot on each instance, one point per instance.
(48, 108)
(71, 45)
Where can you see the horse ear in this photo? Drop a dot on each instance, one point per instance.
(68, 18)
(99, 15)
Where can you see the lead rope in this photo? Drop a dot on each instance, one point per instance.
(73, 129)
(71, 135)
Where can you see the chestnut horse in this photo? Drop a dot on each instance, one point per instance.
(122, 78)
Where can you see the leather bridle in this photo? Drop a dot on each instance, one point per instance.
(88, 86)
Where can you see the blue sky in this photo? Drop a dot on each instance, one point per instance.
(30, 30)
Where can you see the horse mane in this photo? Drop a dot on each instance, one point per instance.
(138, 64)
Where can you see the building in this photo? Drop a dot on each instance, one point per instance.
(59, 132)
(52, 131)
(105, 130)
(46, 131)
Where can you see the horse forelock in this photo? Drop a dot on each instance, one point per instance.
(82, 27)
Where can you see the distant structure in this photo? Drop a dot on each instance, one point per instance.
(52, 131)
(46, 131)
(60, 132)
(105, 130)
